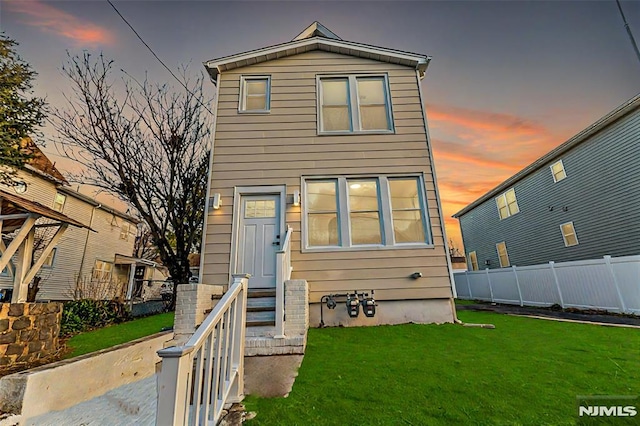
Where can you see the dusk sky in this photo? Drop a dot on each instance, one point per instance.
(508, 80)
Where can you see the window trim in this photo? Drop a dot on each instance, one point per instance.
(125, 231)
(506, 253)
(474, 265)
(242, 99)
(102, 271)
(553, 175)
(386, 218)
(354, 104)
(64, 202)
(504, 196)
(53, 254)
(564, 237)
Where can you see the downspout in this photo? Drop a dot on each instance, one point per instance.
(86, 241)
(206, 205)
(435, 180)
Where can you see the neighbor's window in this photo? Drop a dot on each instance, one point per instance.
(503, 256)
(569, 234)
(125, 230)
(557, 170)
(102, 270)
(58, 202)
(354, 104)
(473, 260)
(48, 262)
(365, 211)
(255, 94)
(507, 204)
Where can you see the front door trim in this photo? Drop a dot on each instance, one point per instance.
(238, 193)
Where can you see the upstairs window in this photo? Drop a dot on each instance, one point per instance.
(557, 171)
(473, 260)
(352, 104)
(58, 202)
(255, 94)
(48, 262)
(569, 234)
(503, 256)
(507, 204)
(124, 231)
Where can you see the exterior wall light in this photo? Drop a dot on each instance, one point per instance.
(296, 197)
(216, 203)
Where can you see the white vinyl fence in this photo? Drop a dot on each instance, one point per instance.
(610, 283)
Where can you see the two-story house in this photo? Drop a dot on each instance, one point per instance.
(579, 201)
(86, 261)
(328, 137)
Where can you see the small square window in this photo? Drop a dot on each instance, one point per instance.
(569, 234)
(503, 256)
(58, 202)
(507, 204)
(255, 94)
(557, 171)
(473, 260)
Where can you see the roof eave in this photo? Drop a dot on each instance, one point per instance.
(594, 128)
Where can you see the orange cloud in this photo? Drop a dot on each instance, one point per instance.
(55, 21)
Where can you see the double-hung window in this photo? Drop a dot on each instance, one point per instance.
(569, 234)
(354, 103)
(473, 260)
(59, 201)
(507, 204)
(102, 270)
(365, 212)
(255, 94)
(503, 256)
(557, 171)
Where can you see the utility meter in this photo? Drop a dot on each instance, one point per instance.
(353, 305)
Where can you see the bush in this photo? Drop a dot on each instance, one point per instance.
(87, 314)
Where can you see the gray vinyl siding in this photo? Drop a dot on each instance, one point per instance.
(600, 195)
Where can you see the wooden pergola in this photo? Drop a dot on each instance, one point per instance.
(19, 216)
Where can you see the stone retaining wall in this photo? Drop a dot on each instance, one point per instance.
(28, 331)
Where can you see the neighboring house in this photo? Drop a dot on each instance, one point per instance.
(579, 201)
(83, 262)
(328, 137)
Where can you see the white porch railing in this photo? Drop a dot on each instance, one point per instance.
(283, 273)
(199, 378)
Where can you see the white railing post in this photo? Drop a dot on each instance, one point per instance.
(236, 393)
(173, 394)
(607, 260)
(555, 277)
(283, 273)
(515, 273)
(489, 281)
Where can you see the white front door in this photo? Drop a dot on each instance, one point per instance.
(259, 239)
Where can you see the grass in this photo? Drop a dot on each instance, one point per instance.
(524, 372)
(107, 337)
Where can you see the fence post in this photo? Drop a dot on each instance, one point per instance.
(466, 276)
(515, 272)
(555, 277)
(607, 260)
(489, 281)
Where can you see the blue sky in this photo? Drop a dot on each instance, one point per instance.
(508, 80)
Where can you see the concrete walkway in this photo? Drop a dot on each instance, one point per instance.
(132, 404)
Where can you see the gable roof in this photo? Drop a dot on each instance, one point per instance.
(40, 163)
(317, 37)
(612, 117)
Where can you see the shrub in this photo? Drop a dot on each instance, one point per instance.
(87, 314)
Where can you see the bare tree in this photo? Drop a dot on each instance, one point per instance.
(144, 142)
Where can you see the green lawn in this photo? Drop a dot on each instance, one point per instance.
(103, 338)
(524, 372)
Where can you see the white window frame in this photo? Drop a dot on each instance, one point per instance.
(473, 261)
(51, 259)
(242, 104)
(385, 214)
(564, 236)
(503, 196)
(506, 254)
(564, 171)
(354, 104)
(105, 275)
(62, 204)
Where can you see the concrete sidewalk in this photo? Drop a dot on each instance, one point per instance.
(131, 404)
(596, 318)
